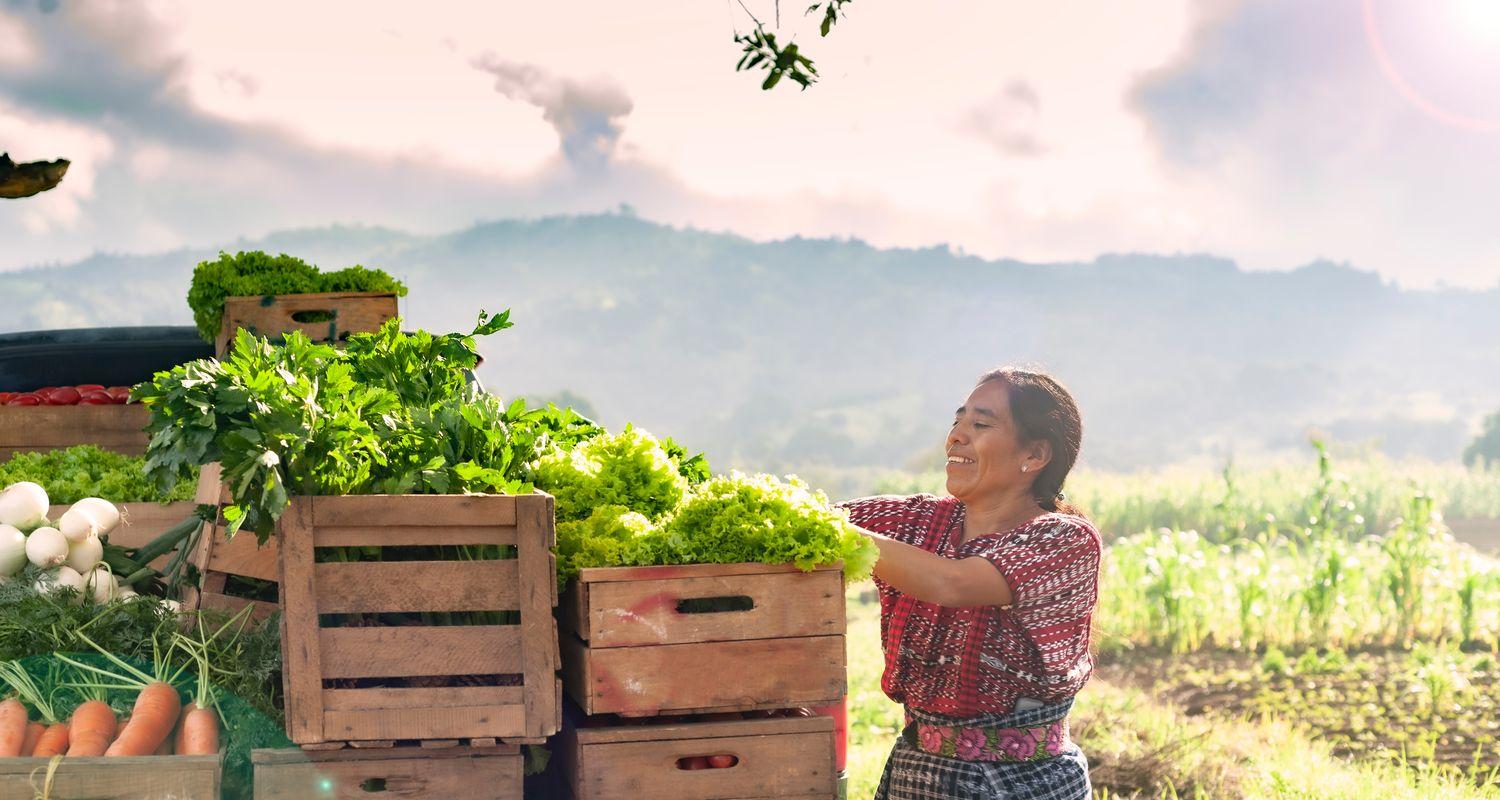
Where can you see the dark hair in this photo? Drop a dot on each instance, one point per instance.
(1043, 409)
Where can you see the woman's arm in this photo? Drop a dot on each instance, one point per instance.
(949, 582)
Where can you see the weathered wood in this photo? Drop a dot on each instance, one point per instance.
(759, 673)
(421, 650)
(114, 778)
(378, 586)
(603, 574)
(219, 557)
(626, 613)
(120, 428)
(413, 773)
(788, 757)
(372, 648)
(273, 316)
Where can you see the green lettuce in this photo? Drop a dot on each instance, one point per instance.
(629, 469)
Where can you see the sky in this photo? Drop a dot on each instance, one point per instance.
(1273, 132)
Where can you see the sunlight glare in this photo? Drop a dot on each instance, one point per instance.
(1479, 19)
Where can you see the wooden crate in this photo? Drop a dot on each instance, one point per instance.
(318, 662)
(275, 316)
(410, 773)
(790, 757)
(141, 522)
(219, 559)
(629, 650)
(114, 778)
(26, 429)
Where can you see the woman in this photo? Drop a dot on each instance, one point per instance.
(986, 598)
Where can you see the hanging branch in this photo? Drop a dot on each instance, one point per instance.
(760, 50)
(25, 180)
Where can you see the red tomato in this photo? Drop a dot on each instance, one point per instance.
(24, 399)
(722, 761)
(63, 396)
(121, 394)
(693, 762)
(42, 391)
(96, 398)
(89, 387)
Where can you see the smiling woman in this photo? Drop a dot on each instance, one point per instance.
(986, 602)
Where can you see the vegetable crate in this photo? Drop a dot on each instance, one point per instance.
(322, 317)
(141, 522)
(415, 645)
(25, 429)
(787, 757)
(703, 637)
(112, 778)
(412, 773)
(221, 560)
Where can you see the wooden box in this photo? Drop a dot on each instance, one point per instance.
(25, 429)
(409, 773)
(114, 778)
(141, 522)
(787, 757)
(322, 317)
(221, 559)
(637, 642)
(352, 673)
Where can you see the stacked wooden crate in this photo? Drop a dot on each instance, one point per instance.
(713, 640)
(28, 429)
(111, 778)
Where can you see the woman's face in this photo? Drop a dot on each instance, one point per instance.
(984, 456)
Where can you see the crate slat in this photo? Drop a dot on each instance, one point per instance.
(420, 697)
(626, 613)
(302, 658)
(377, 512)
(535, 536)
(412, 773)
(421, 650)
(358, 536)
(394, 586)
(114, 778)
(445, 722)
(272, 316)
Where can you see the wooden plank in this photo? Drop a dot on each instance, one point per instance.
(378, 512)
(415, 586)
(577, 681)
(627, 613)
(572, 609)
(216, 601)
(415, 697)
(273, 316)
(457, 722)
(43, 428)
(391, 773)
(302, 666)
(114, 778)
(598, 574)
(538, 627)
(243, 554)
(346, 536)
(420, 650)
(700, 730)
(374, 744)
(786, 765)
(804, 671)
(302, 755)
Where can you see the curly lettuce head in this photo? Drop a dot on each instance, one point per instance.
(630, 469)
(612, 536)
(760, 518)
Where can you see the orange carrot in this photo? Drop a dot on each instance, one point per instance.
(179, 736)
(151, 721)
(12, 727)
(54, 742)
(34, 731)
(92, 729)
(200, 733)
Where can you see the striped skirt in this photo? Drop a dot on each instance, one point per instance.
(911, 774)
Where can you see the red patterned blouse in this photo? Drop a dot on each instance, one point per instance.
(965, 662)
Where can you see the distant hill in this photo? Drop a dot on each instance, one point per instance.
(814, 354)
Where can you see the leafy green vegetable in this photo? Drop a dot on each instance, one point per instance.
(759, 518)
(254, 273)
(88, 471)
(391, 413)
(612, 536)
(629, 469)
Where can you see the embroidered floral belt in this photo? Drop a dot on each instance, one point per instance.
(991, 744)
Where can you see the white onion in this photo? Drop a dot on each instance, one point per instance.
(46, 548)
(23, 505)
(125, 593)
(60, 577)
(103, 512)
(102, 585)
(85, 555)
(78, 524)
(12, 550)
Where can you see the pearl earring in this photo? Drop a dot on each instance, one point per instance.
(1025, 467)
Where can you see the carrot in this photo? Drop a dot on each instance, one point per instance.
(54, 742)
(200, 732)
(34, 731)
(179, 736)
(92, 729)
(13, 717)
(151, 721)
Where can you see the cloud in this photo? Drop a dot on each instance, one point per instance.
(1008, 121)
(588, 117)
